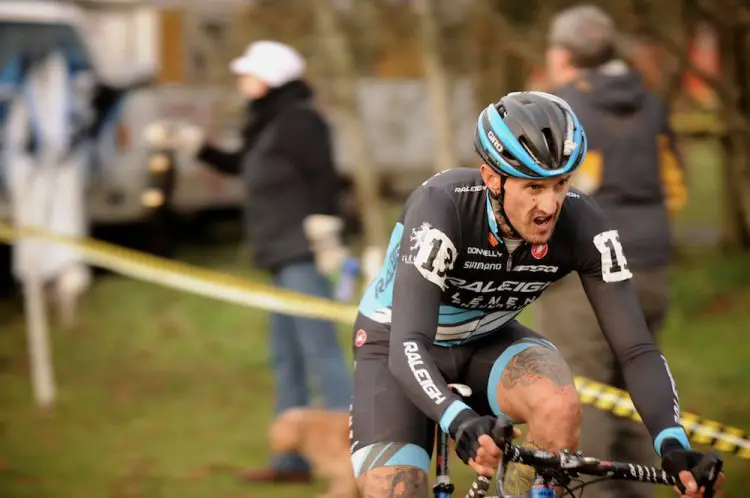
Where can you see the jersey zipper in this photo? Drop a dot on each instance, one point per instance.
(519, 250)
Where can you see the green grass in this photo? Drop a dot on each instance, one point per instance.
(703, 208)
(163, 394)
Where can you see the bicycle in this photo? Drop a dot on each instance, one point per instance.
(557, 469)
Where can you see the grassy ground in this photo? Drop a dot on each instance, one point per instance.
(163, 394)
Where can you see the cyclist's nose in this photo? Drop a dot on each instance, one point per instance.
(547, 203)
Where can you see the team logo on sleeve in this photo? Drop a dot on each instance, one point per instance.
(436, 254)
(418, 235)
(539, 250)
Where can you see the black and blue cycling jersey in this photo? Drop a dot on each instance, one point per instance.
(449, 278)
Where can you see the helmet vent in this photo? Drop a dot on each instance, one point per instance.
(547, 134)
(524, 143)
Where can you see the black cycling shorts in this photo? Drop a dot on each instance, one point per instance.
(386, 427)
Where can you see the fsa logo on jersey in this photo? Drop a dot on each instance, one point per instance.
(536, 268)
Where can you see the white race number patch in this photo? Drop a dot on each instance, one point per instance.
(436, 255)
(614, 264)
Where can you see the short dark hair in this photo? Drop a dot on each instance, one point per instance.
(587, 33)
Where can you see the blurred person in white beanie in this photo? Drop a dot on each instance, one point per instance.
(291, 219)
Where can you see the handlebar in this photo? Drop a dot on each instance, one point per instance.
(564, 465)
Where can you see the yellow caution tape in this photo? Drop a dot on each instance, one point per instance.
(190, 278)
(699, 430)
(225, 287)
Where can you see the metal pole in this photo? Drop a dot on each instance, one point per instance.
(38, 334)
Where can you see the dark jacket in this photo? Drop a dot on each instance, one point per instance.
(287, 167)
(632, 159)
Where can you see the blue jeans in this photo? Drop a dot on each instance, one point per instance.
(302, 346)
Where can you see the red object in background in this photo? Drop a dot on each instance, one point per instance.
(703, 51)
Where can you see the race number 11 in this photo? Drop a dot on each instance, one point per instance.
(614, 264)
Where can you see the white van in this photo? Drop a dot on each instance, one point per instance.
(121, 175)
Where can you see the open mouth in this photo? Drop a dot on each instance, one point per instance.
(543, 220)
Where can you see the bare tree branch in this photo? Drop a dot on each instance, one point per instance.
(341, 60)
(528, 45)
(438, 86)
(734, 14)
(725, 92)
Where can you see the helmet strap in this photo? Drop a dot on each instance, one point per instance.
(502, 219)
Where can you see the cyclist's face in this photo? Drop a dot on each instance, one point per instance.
(533, 206)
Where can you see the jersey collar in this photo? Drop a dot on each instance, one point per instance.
(492, 222)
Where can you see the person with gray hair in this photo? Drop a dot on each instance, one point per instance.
(633, 172)
(585, 35)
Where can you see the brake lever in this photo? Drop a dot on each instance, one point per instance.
(502, 433)
(707, 472)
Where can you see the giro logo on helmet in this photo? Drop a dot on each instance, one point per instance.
(495, 142)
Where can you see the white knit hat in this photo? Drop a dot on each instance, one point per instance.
(271, 61)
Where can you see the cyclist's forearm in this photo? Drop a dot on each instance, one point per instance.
(411, 364)
(428, 250)
(646, 373)
(654, 394)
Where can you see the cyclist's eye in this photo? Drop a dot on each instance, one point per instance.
(561, 184)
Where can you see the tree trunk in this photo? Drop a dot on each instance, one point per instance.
(438, 86)
(736, 112)
(345, 77)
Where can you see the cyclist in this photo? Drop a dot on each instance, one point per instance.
(470, 251)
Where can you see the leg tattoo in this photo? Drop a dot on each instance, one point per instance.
(395, 482)
(534, 364)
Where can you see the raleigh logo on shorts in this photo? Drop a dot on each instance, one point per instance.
(539, 250)
(421, 374)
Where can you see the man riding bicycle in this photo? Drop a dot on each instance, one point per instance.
(471, 250)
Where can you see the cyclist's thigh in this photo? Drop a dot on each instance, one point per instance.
(391, 439)
(491, 357)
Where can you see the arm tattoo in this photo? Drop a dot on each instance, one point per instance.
(533, 364)
(396, 482)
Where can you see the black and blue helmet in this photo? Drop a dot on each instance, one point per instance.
(530, 135)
